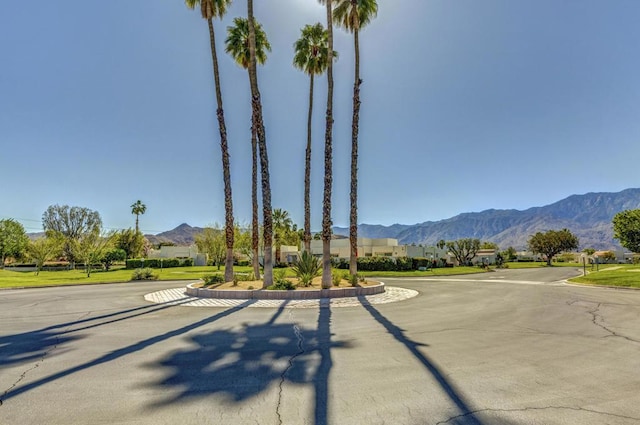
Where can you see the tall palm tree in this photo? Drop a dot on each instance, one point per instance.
(328, 158)
(353, 15)
(247, 43)
(138, 208)
(209, 10)
(311, 56)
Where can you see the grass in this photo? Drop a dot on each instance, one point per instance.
(13, 279)
(624, 275)
(444, 271)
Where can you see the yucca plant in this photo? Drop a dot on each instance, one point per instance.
(306, 268)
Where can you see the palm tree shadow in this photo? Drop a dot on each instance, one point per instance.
(26, 347)
(238, 364)
(467, 415)
(116, 354)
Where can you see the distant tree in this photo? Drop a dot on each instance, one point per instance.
(44, 249)
(626, 228)
(111, 256)
(72, 223)
(242, 241)
(609, 256)
(552, 243)
(489, 245)
(282, 225)
(13, 240)
(441, 244)
(509, 254)
(589, 251)
(464, 249)
(131, 242)
(211, 241)
(91, 247)
(137, 209)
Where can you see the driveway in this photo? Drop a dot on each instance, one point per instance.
(511, 347)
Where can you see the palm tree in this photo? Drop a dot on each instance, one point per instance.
(282, 224)
(209, 10)
(328, 158)
(257, 43)
(137, 209)
(353, 15)
(311, 56)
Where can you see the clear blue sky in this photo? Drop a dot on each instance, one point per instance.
(466, 105)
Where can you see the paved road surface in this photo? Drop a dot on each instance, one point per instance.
(512, 347)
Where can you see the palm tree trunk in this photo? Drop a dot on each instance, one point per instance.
(307, 174)
(255, 225)
(328, 158)
(137, 216)
(256, 104)
(226, 166)
(353, 216)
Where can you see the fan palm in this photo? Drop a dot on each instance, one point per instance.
(210, 9)
(247, 43)
(353, 15)
(311, 56)
(138, 208)
(328, 157)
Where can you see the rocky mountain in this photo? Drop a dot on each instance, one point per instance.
(181, 235)
(587, 216)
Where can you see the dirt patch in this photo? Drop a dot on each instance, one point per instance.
(257, 284)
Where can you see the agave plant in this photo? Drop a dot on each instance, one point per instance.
(306, 268)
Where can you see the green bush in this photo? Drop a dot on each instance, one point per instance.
(336, 278)
(156, 263)
(353, 279)
(306, 268)
(212, 279)
(243, 263)
(144, 274)
(283, 285)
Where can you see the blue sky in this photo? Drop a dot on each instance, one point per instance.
(466, 106)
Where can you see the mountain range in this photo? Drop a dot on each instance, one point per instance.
(588, 216)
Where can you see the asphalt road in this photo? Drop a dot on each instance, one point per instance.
(511, 347)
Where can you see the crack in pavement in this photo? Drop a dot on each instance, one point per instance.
(598, 320)
(526, 409)
(41, 360)
(296, 331)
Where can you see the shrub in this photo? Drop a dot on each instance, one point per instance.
(336, 277)
(144, 274)
(306, 268)
(156, 263)
(282, 285)
(353, 279)
(243, 263)
(212, 279)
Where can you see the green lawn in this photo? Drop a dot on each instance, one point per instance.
(444, 271)
(612, 275)
(12, 279)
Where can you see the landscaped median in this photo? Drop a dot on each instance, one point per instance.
(301, 293)
(624, 275)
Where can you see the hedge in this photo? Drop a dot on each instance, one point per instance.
(156, 263)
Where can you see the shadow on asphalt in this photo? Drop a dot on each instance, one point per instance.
(241, 363)
(466, 415)
(53, 340)
(27, 347)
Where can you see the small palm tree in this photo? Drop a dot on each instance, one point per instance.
(209, 10)
(353, 15)
(282, 224)
(138, 208)
(248, 43)
(311, 56)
